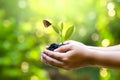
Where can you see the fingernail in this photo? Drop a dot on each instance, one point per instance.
(44, 51)
(42, 59)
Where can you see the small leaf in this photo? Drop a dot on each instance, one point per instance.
(55, 29)
(69, 32)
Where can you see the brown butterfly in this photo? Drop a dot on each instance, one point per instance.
(46, 23)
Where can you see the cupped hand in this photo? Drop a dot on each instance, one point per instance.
(72, 55)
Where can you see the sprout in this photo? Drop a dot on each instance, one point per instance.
(59, 30)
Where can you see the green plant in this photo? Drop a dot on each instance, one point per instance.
(59, 30)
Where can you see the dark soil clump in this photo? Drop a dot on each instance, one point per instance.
(54, 46)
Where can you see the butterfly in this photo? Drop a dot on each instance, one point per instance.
(46, 23)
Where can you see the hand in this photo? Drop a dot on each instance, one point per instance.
(69, 56)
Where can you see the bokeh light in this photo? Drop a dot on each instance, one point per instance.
(34, 77)
(25, 66)
(22, 4)
(105, 42)
(103, 72)
(111, 9)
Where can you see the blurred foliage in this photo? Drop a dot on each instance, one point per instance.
(23, 37)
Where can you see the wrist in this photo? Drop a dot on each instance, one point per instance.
(93, 57)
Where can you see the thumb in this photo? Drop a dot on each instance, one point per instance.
(63, 48)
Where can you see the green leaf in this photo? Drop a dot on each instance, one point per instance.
(55, 29)
(61, 26)
(69, 32)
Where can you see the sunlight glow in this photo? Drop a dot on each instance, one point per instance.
(34, 77)
(22, 4)
(82, 32)
(92, 15)
(112, 13)
(110, 7)
(105, 42)
(24, 66)
(95, 37)
(103, 72)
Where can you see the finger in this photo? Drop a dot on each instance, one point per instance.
(42, 58)
(68, 42)
(56, 55)
(52, 61)
(63, 48)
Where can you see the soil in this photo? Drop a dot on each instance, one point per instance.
(54, 46)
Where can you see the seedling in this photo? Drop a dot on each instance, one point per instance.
(59, 30)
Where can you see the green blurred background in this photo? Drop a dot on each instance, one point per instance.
(23, 36)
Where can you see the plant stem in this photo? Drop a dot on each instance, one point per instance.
(61, 38)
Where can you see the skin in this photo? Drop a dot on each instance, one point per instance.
(76, 55)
